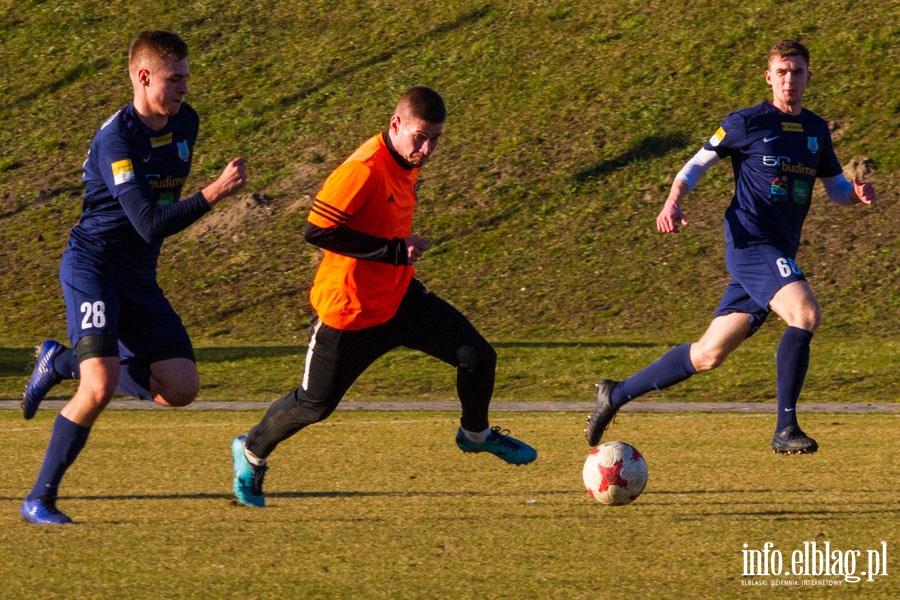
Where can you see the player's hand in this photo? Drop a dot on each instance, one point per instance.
(415, 246)
(232, 179)
(670, 217)
(864, 191)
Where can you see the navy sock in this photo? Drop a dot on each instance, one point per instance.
(65, 364)
(674, 366)
(791, 362)
(66, 442)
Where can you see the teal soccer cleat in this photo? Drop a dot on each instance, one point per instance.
(500, 444)
(248, 478)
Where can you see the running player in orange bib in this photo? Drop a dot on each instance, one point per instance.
(367, 301)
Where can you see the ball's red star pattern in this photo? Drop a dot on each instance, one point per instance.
(612, 476)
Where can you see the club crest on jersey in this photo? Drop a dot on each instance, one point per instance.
(122, 171)
(812, 142)
(184, 152)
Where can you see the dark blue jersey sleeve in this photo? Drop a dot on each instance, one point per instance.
(151, 221)
(134, 177)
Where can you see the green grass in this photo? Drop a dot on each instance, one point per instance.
(567, 122)
(844, 371)
(382, 505)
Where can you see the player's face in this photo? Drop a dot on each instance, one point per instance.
(414, 139)
(166, 86)
(788, 77)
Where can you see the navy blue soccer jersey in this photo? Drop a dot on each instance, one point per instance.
(776, 159)
(133, 180)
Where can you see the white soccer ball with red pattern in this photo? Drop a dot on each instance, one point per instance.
(615, 473)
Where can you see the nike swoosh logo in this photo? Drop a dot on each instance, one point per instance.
(771, 139)
(789, 410)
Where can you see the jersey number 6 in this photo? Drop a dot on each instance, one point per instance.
(786, 266)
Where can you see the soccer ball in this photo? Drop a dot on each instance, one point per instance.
(615, 473)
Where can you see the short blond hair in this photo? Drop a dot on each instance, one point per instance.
(785, 48)
(156, 44)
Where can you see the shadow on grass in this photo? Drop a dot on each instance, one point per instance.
(81, 71)
(19, 361)
(308, 494)
(214, 355)
(647, 148)
(783, 515)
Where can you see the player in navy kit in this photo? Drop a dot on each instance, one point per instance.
(125, 335)
(777, 150)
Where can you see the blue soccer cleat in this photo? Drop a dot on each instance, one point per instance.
(500, 444)
(248, 478)
(43, 511)
(43, 377)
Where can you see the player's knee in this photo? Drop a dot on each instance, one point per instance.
(810, 319)
(707, 359)
(180, 395)
(482, 357)
(95, 395)
(177, 393)
(176, 399)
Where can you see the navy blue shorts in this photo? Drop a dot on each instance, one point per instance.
(758, 270)
(131, 307)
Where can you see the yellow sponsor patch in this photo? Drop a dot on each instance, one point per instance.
(123, 172)
(717, 137)
(791, 126)
(161, 141)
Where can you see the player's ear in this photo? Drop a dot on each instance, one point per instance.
(142, 76)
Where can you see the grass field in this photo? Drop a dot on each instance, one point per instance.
(382, 505)
(567, 121)
(843, 369)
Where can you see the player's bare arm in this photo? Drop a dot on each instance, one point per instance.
(671, 215)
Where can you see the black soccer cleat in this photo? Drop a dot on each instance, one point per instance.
(792, 440)
(603, 414)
